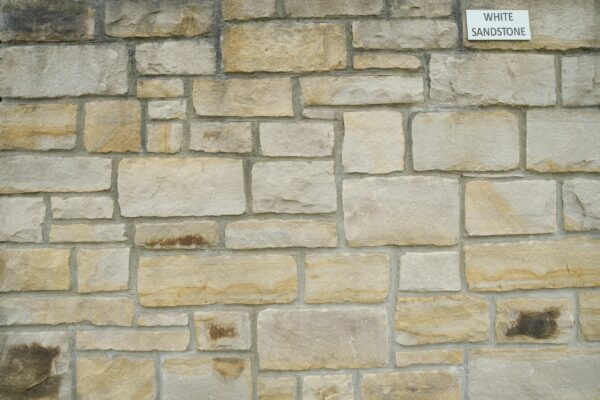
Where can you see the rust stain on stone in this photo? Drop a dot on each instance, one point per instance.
(217, 332)
(228, 367)
(538, 325)
(187, 241)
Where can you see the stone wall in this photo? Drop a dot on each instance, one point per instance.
(298, 199)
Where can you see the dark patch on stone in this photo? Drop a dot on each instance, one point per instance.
(186, 241)
(538, 325)
(228, 367)
(217, 332)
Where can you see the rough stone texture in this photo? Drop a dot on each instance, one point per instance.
(159, 88)
(421, 8)
(247, 9)
(346, 277)
(113, 125)
(221, 137)
(197, 280)
(79, 233)
(581, 80)
(131, 339)
(373, 142)
(559, 373)
(581, 204)
(441, 319)
(54, 71)
(165, 187)
(190, 57)
(510, 208)
(430, 272)
(274, 233)
(44, 126)
(467, 141)
(422, 357)
(21, 219)
(557, 263)
(563, 141)
(319, 387)
(222, 330)
(284, 46)
(332, 8)
(177, 235)
(416, 385)
(164, 137)
(276, 388)
(317, 113)
(401, 211)
(82, 207)
(24, 269)
(167, 109)
(386, 61)
(102, 270)
(115, 378)
(141, 18)
(293, 187)
(322, 338)
(589, 318)
(404, 34)
(296, 139)
(510, 79)
(162, 319)
(243, 97)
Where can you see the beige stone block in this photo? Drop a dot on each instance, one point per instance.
(318, 387)
(276, 388)
(102, 270)
(296, 139)
(21, 219)
(423, 357)
(222, 330)
(177, 235)
(589, 315)
(221, 137)
(437, 271)
(404, 34)
(581, 204)
(134, 339)
(247, 9)
(162, 319)
(385, 61)
(164, 137)
(414, 385)
(79, 233)
(580, 77)
(170, 57)
(26, 269)
(317, 113)
(167, 109)
(159, 88)
(113, 125)
(84, 207)
(421, 8)
(332, 8)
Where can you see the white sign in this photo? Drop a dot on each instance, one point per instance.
(498, 25)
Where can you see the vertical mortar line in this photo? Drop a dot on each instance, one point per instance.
(349, 46)
(338, 131)
(387, 9)
(426, 78)
(457, 10)
(391, 305)
(144, 127)
(73, 269)
(407, 119)
(192, 346)
(280, 8)
(356, 383)
(254, 352)
(297, 103)
(559, 206)
(522, 128)
(493, 315)
(47, 222)
(217, 31)
(247, 169)
(99, 31)
(463, 275)
(255, 131)
(558, 81)
(578, 337)
(131, 71)
(299, 381)
(188, 91)
(73, 361)
(80, 125)
(301, 274)
(158, 374)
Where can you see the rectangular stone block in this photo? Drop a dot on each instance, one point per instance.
(197, 280)
(223, 330)
(401, 211)
(162, 319)
(164, 137)
(425, 357)
(322, 338)
(430, 272)
(284, 46)
(296, 139)
(102, 270)
(189, 57)
(533, 264)
(414, 385)
(167, 109)
(385, 61)
(580, 77)
(404, 34)
(221, 137)
(277, 388)
(332, 8)
(581, 204)
(589, 315)
(22, 219)
(247, 9)
(82, 207)
(80, 233)
(177, 235)
(113, 126)
(165, 187)
(316, 386)
(24, 269)
(134, 339)
(421, 8)
(159, 88)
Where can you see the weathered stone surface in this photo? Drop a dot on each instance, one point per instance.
(96, 310)
(24, 269)
(159, 88)
(243, 97)
(197, 280)
(167, 109)
(189, 57)
(322, 338)
(332, 8)
(319, 387)
(113, 125)
(26, 174)
(439, 271)
(580, 77)
(165, 187)
(21, 219)
(177, 235)
(164, 137)
(563, 141)
(274, 233)
(293, 187)
(38, 126)
(437, 356)
(510, 207)
(284, 46)
(441, 319)
(296, 139)
(404, 34)
(468, 141)
(357, 90)
(546, 373)
(214, 378)
(533, 264)
(79, 233)
(53, 71)
(102, 270)
(82, 207)
(385, 61)
(373, 142)
(115, 378)
(421, 8)
(162, 319)
(221, 137)
(401, 211)
(535, 320)
(589, 315)
(134, 339)
(247, 9)
(415, 385)
(222, 330)
(317, 113)
(581, 204)
(140, 18)
(347, 277)
(276, 388)
(511, 79)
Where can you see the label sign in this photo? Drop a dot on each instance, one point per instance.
(498, 25)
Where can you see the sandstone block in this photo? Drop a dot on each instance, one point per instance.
(332, 8)
(338, 387)
(385, 61)
(424, 357)
(148, 88)
(580, 77)
(276, 388)
(414, 385)
(133, 339)
(221, 137)
(222, 330)
(164, 137)
(167, 109)
(317, 113)
(162, 319)
(102, 270)
(247, 9)
(177, 235)
(404, 34)
(113, 125)
(195, 57)
(421, 8)
(21, 219)
(82, 207)
(80, 233)
(581, 204)
(296, 139)
(589, 315)
(438, 271)
(34, 269)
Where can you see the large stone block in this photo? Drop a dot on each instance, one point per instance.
(405, 34)
(24, 269)
(177, 235)
(247, 9)
(134, 339)
(589, 315)
(82, 207)
(221, 137)
(296, 139)
(430, 272)
(421, 8)
(581, 204)
(332, 8)
(21, 219)
(189, 57)
(102, 270)
(580, 77)
(113, 125)
(414, 385)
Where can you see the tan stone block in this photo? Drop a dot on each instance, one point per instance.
(422, 357)
(276, 388)
(85, 207)
(296, 139)
(404, 34)
(177, 235)
(580, 77)
(414, 385)
(247, 9)
(332, 8)
(162, 319)
(221, 137)
(133, 339)
(21, 219)
(171, 57)
(222, 330)
(581, 204)
(316, 113)
(113, 125)
(421, 8)
(164, 137)
(25, 269)
(159, 88)
(167, 109)
(437, 271)
(318, 387)
(589, 315)
(79, 233)
(102, 270)
(385, 61)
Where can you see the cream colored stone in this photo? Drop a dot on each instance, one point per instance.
(134, 339)
(563, 141)
(316, 113)
(159, 88)
(347, 277)
(165, 187)
(167, 109)
(79, 233)
(468, 141)
(21, 219)
(189, 57)
(84, 207)
(243, 97)
(25, 269)
(438, 271)
(197, 280)
(313, 338)
(306, 187)
(113, 125)
(385, 61)
(404, 34)
(45, 310)
(162, 319)
(421, 8)
(274, 233)
(510, 207)
(221, 137)
(102, 270)
(284, 46)
(589, 315)
(296, 139)
(164, 137)
(414, 385)
(441, 319)
(581, 204)
(509, 79)
(357, 90)
(247, 9)
(338, 387)
(332, 8)
(580, 80)
(401, 211)
(373, 142)
(276, 388)
(45, 126)
(437, 356)
(177, 235)
(222, 330)
(557, 263)
(101, 377)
